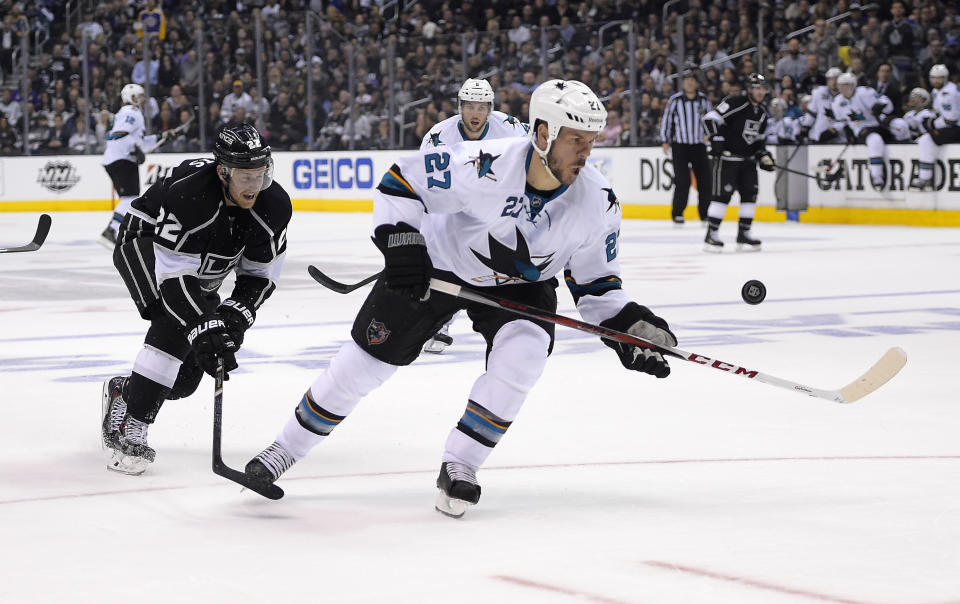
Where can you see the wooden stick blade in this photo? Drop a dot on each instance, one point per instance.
(882, 372)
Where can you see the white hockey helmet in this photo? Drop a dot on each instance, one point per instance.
(833, 72)
(939, 71)
(847, 79)
(476, 91)
(777, 107)
(922, 97)
(130, 92)
(562, 103)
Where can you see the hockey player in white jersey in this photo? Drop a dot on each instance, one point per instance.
(941, 129)
(476, 121)
(126, 145)
(781, 129)
(868, 117)
(918, 105)
(817, 122)
(513, 213)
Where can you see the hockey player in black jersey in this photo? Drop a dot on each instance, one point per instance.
(736, 127)
(176, 245)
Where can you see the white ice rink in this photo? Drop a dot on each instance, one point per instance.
(610, 487)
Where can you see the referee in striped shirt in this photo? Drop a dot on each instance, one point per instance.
(682, 130)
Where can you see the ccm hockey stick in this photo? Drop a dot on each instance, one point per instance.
(340, 288)
(43, 228)
(271, 491)
(879, 374)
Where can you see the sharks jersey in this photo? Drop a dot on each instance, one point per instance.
(482, 221)
(784, 130)
(857, 111)
(946, 102)
(915, 120)
(819, 115)
(127, 133)
(450, 132)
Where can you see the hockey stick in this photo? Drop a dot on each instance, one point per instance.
(271, 491)
(43, 228)
(340, 288)
(879, 374)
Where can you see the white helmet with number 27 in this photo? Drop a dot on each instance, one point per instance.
(564, 103)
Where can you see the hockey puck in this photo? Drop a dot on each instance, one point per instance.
(753, 292)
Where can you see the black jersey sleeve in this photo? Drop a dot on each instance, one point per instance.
(262, 259)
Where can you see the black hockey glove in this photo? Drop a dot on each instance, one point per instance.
(927, 124)
(804, 134)
(407, 263)
(138, 155)
(883, 118)
(238, 318)
(717, 145)
(167, 136)
(640, 321)
(210, 339)
(765, 161)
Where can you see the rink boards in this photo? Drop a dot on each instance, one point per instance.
(642, 178)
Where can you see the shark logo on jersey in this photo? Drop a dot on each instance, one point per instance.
(513, 264)
(515, 122)
(435, 139)
(377, 333)
(484, 165)
(612, 199)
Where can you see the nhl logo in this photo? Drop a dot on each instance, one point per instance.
(58, 176)
(377, 333)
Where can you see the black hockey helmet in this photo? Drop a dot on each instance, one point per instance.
(757, 80)
(241, 147)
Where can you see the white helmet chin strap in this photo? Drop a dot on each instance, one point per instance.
(542, 155)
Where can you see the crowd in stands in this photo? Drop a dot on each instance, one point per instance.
(891, 47)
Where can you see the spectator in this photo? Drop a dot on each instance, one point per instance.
(812, 77)
(792, 63)
(40, 135)
(610, 135)
(59, 135)
(139, 74)
(715, 54)
(887, 85)
(9, 108)
(898, 38)
(104, 123)
(9, 138)
(82, 140)
(236, 98)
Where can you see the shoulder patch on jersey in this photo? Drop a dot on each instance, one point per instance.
(484, 164)
(516, 123)
(612, 199)
(722, 107)
(435, 139)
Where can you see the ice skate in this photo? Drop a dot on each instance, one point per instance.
(439, 342)
(746, 242)
(877, 182)
(270, 464)
(678, 222)
(458, 489)
(711, 243)
(133, 453)
(112, 411)
(922, 184)
(108, 238)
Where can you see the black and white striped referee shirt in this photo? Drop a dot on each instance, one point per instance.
(683, 119)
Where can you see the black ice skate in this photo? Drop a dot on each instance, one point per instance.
(108, 238)
(269, 464)
(458, 489)
(112, 411)
(439, 341)
(746, 242)
(711, 243)
(133, 453)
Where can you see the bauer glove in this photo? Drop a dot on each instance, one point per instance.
(641, 322)
(238, 318)
(407, 264)
(210, 339)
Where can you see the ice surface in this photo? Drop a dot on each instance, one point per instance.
(611, 486)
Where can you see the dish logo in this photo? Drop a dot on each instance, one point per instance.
(333, 173)
(58, 176)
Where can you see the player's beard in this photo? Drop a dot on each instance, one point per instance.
(566, 177)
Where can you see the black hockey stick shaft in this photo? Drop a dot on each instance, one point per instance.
(270, 491)
(43, 229)
(340, 288)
